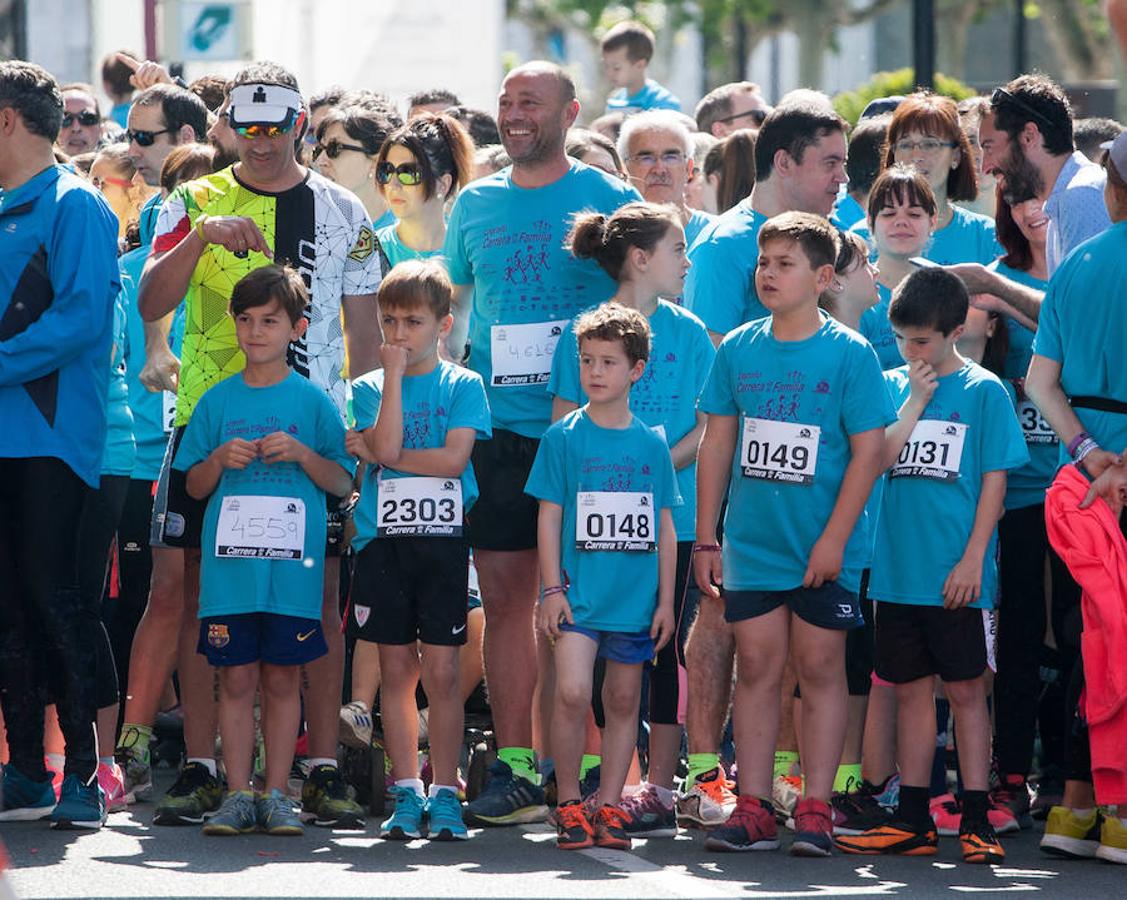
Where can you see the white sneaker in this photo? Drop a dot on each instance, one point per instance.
(356, 725)
(708, 802)
(786, 791)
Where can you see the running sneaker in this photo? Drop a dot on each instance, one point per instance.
(1113, 841)
(1050, 793)
(751, 826)
(813, 828)
(80, 805)
(276, 814)
(24, 800)
(138, 771)
(892, 838)
(786, 791)
(573, 828)
(980, 843)
(610, 828)
(589, 785)
(328, 801)
(708, 802)
(112, 780)
(406, 822)
(947, 814)
(888, 793)
(857, 811)
(508, 799)
(236, 815)
(1067, 834)
(356, 725)
(1014, 794)
(647, 816)
(195, 795)
(444, 817)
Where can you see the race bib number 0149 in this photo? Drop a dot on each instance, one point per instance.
(253, 527)
(779, 451)
(615, 520)
(522, 354)
(934, 450)
(420, 506)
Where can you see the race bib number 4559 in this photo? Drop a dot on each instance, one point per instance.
(934, 450)
(252, 527)
(615, 520)
(522, 354)
(779, 451)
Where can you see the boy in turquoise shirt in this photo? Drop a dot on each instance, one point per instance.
(265, 445)
(627, 50)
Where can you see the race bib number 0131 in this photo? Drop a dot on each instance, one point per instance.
(615, 520)
(522, 354)
(779, 451)
(253, 527)
(420, 506)
(934, 450)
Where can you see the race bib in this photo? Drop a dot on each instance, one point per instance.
(779, 451)
(522, 354)
(934, 450)
(420, 505)
(167, 410)
(1034, 428)
(615, 520)
(261, 528)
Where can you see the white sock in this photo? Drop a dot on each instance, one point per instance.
(315, 761)
(1083, 813)
(208, 763)
(56, 761)
(415, 784)
(435, 788)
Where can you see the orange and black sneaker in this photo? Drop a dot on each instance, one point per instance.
(980, 843)
(573, 828)
(892, 838)
(610, 828)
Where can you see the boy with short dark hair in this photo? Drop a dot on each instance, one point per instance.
(627, 50)
(417, 419)
(265, 445)
(947, 457)
(796, 417)
(607, 551)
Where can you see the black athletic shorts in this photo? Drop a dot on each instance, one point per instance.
(503, 516)
(914, 642)
(829, 606)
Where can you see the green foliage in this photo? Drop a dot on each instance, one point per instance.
(850, 104)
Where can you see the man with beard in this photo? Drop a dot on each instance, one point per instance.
(657, 149)
(505, 240)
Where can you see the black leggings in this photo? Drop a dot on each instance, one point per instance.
(49, 629)
(135, 569)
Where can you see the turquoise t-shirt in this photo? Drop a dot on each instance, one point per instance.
(121, 450)
(968, 237)
(698, 221)
(651, 96)
(720, 287)
(508, 242)
(581, 467)
(396, 251)
(930, 498)
(798, 402)
(1021, 338)
(445, 398)
(847, 213)
(1026, 485)
(289, 580)
(665, 397)
(877, 330)
(386, 218)
(1083, 327)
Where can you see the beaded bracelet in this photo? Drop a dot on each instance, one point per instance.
(1086, 446)
(554, 589)
(706, 548)
(1075, 443)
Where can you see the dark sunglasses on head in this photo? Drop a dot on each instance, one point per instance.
(407, 174)
(756, 115)
(334, 148)
(84, 118)
(145, 138)
(1001, 95)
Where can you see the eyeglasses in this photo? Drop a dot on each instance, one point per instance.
(84, 118)
(269, 131)
(334, 148)
(407, 174)
(100, 182)
(669, 158)
(927, 145)
(145, 138)
(757, 116)
(1001, 95)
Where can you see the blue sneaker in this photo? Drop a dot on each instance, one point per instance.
(407, 820)
(444, 817)
(24, 800)
(80, 805)
(508, 799)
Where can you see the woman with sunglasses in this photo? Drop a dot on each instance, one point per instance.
(114, 174)
(420, 167)
(348, 140)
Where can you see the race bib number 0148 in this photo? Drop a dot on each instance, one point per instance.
(934, 450)
(779, 451)
(253, 527)
(420, 506)
(522, 354)
(615, 520)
